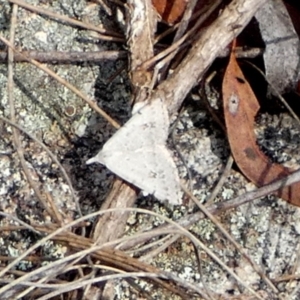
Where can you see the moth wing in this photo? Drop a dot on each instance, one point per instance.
(154, 172)
(147, 127)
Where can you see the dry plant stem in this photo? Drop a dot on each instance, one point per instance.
(220, 207)
(16, 133)
(124, 263)
(107, 255)
(119, 245)
(105, 7)
(199, 266)
(14, 272)
(31, 288)
(115, 75)
(183, 25)
(175, 47)
(145, 247)
(104, 34)
(196, 16)
(204, 50)
(263, 191)
(287, 277)
(106, 228)
(258, 193)
(185, 19)
(112, 257)
(159, 249)
(62, 268)
(230, 238)
(59, 216)
(197, 243)
(28, 258)
(13, 218)
(115, 270)
(224, 176)
(90, 102)
(47, 276)
(59, 57)
(111, 226)
(172, 134)
(141, 24)
(64, 288)
(243, 53)
(276, 92)
(53, 157)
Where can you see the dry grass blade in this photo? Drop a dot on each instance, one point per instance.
(104, 34)
(220, 183)
(25, 225)
(59, 57)
(83, 247)
(53, 157)
(288, 107)
(229, 237)
(16, 138)
(220, 207)
(63, 288)
(170, 52)
(196, 241)
(158, 246)
(114, 258)
(92, 104)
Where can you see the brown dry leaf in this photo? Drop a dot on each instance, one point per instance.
(170, 10)
(240, 108)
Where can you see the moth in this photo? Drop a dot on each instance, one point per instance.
(138, 153)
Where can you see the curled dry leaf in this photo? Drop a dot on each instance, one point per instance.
(240, 108)
(170, 10)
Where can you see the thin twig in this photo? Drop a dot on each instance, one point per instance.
(230, 238)
(105, 7)
(53, 157)
(91, 247)
(183, 160)
(59, 57)
(174, 47)
(183, 25)
(54, 235)
(219, 185)
(71, 87)
(258, 193)
(218, 208)
(16, 134)
(275, 92)
(13, 218)
(160, 245)
(104, 34)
